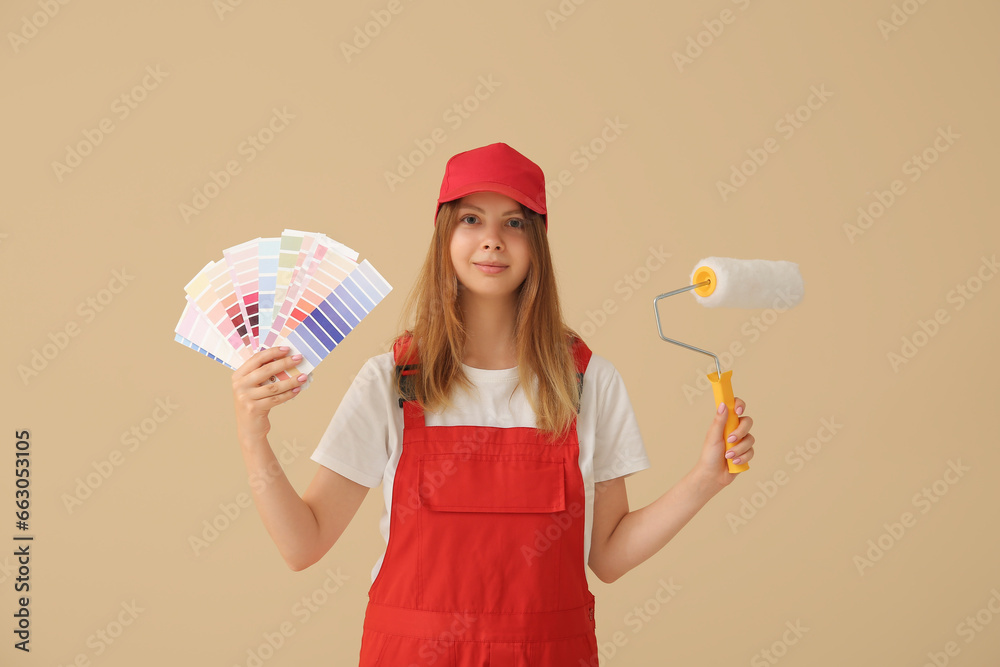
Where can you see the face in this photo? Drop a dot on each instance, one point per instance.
(490, 230)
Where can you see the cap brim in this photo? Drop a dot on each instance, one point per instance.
(502, 188)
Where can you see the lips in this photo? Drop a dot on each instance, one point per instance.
(491, 268)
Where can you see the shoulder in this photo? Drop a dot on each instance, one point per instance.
(600, 370)
(383, 364)
(603, 379)
(601, 383)
(377, 370)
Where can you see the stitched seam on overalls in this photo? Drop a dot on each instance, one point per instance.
(587, 604)
(562, 541)
(585, 633)
(381, 652)
(494, 457)
(420, 551)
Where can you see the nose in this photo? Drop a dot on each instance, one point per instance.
(491, 239)
(491, 235)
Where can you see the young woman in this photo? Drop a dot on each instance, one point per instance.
(501, 443)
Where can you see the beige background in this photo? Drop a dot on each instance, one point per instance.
(653, 187)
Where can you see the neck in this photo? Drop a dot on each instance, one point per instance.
(489, 324)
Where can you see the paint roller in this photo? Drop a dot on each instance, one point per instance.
(723, 282)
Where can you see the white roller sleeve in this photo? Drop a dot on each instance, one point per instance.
(751, 283)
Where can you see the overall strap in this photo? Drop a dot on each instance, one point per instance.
(404, 352)
(581, 356)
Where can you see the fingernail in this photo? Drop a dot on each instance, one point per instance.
(296, 357)
(731, 438)
(722, 408)
(302, 378)
(284, 348)
(736, 460)
(739, 410)
(730, 455)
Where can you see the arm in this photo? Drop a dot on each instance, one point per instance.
(621, 539)
(304, 528)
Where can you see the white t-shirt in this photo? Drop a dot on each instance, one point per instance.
(362, 441)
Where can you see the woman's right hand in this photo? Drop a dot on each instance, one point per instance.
(254, 398)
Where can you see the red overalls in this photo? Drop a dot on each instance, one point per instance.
(484, 564)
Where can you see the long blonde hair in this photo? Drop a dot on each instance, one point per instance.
(542, 339)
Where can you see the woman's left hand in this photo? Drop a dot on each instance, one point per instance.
(712, 468)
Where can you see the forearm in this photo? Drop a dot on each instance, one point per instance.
(643, 532)
(287, 518)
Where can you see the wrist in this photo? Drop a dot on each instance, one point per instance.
(252, 441)
(702, 485)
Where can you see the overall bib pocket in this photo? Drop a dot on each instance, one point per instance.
(489, 530)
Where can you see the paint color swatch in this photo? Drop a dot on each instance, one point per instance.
(302, 290)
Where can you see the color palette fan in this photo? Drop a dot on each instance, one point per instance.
(303, 290)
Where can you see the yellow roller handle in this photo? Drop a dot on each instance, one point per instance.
(723, 390)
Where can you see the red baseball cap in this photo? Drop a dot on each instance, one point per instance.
(494, 168)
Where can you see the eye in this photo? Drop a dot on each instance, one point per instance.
(519, 222)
